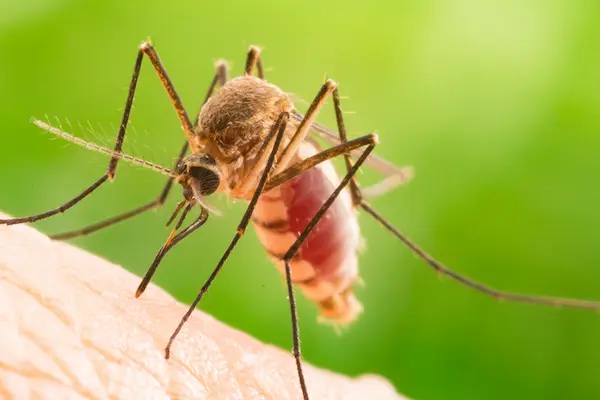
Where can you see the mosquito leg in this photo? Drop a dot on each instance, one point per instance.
(304, 125)
(252, 61)
(219, 78)
(261, 157)
(357, 197)
(343, 148)
(299, 167)
(112, 165)
(126, 215)
(147, 49)
(169, 244)
(278, 127)
(107, 222)
(473, 284)
(289, 255)
(394, 176)
(354, 190)
(332, 152)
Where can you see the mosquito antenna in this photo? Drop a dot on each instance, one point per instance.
(92, 146)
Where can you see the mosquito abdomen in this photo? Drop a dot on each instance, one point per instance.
(326, 265)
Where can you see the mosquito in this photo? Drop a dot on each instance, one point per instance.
(249, 142)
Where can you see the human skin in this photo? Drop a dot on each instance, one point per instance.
(71, 328)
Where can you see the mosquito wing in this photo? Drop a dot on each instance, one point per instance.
(393, 174)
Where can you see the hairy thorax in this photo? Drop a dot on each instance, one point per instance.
(234, 123)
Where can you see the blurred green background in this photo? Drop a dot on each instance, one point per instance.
(495, 103)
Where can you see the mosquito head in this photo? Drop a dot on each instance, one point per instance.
(202, 174)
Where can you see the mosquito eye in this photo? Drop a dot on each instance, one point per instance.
(207, 180)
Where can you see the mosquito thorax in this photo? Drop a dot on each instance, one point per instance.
(235, 120)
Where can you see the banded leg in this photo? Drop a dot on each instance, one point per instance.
(219, 78)
(278, 130)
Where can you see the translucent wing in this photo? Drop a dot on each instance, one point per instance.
(393, 175)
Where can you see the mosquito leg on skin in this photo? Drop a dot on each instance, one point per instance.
(112, 164)
(170, 243)
(278, 127)
(289, 255)
(252, 61)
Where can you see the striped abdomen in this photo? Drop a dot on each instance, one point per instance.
(326, 265)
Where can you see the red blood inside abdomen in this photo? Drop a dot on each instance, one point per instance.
(332, 240)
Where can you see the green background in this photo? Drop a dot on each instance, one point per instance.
(495, 103)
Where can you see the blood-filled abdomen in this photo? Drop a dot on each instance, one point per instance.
(326, 265)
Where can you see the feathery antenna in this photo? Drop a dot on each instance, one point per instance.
(100, 149)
